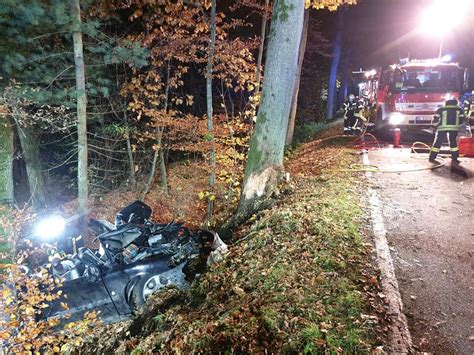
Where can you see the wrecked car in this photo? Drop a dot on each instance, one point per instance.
(135, 259)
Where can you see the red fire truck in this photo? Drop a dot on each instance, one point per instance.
(408, 94)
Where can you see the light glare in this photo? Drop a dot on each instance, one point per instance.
(50, 227)
(395, 118)
(443, 16)
(447, 58)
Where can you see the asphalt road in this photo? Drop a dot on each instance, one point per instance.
(429, 218)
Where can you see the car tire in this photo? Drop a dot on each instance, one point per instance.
(137, 299)
(140, 292)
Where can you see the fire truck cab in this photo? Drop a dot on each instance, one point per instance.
(409, 94)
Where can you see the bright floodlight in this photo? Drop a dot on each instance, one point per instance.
(443, 16)
(50, 227)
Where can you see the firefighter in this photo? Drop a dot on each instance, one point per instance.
(365, 100)
(468, 105)
(351, 109)
(447, 120)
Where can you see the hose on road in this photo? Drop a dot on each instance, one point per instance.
(361, 144)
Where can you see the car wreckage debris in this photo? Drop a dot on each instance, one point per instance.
(136, 258)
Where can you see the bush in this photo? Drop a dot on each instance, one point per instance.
(306, 132)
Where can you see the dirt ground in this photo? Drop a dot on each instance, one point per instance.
(429, 218)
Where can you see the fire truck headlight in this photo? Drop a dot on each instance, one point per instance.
(395, 118)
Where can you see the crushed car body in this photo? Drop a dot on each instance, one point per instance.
(135, 259)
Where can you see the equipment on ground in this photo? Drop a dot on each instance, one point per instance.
(466, 147)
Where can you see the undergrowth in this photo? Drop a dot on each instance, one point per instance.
(306, 132)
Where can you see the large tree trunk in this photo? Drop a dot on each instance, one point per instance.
(31, 155)
(210, 128)
(265, 157)
(296, 90)
(82, 180)
(6, 156)
(336, 57)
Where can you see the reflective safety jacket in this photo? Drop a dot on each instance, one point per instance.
(448, 118)
(351, 108)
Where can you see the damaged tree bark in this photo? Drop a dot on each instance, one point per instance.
(265, 158)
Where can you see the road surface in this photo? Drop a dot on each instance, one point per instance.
(429, 218)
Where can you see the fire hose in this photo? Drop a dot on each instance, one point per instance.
(362, 145)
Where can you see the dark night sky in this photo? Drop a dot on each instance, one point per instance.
(378, 31)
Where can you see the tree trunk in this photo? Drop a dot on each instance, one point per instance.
(336, 57)
(296, 90)
(131, 161)
(82, 180)
(31, 155)
(163, 173)
(6, 166)
(263, 29)
(265, 157)
(210, 129)
(343, 91)
(158, 155)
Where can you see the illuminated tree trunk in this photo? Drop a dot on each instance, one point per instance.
(31, 155)
(296, 90)
(265, 157)
(6, 156)
(82, 180)
(210, 128)
(336, 57)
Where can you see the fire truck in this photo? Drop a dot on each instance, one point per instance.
(408, 94)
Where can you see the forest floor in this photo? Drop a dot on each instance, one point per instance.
(300, 277)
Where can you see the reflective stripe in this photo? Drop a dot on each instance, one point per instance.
(453, 115)
(436, 150)
(446, 128)
(455, 149)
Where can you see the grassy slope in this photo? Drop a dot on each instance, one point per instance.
(299, 280)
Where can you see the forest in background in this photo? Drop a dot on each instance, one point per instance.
(147, 110)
